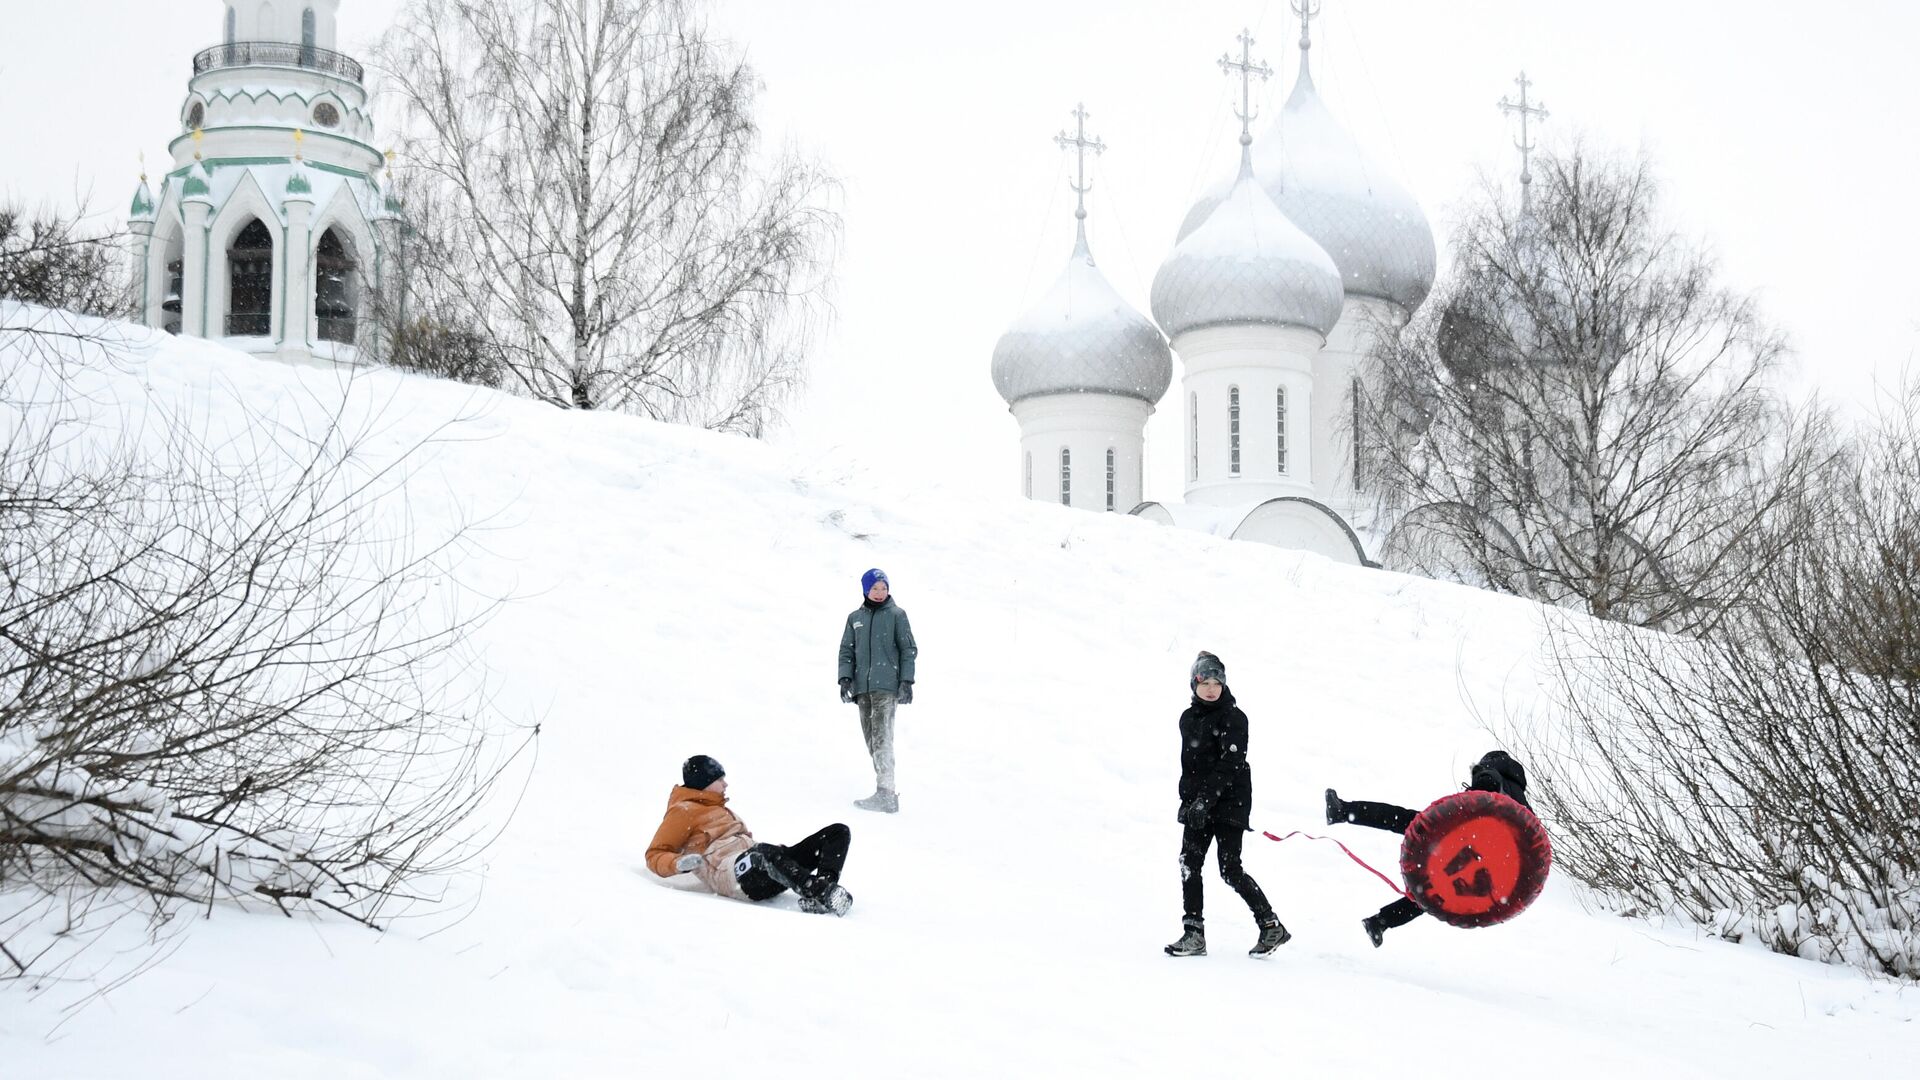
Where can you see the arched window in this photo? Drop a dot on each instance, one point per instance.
(1066, 477)
(1027, 481)
(306, 38)
(170, 302)
(1110, 478)
(250, 282)
(1280, 425)
(333, 288)
(232, 23)
(1193, 436)
(1233, 431)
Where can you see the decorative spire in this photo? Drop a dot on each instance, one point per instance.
(198, 134)
(1247, 69)
(1308, 10)
(1526, 112)
(298, 186)
(1081, 144)
(142, 198)
(198, 184)
(298, 138)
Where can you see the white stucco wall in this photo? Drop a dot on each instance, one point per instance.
(1334, 368)
(1087, 425)
(1259, 360)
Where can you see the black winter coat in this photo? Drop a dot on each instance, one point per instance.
(1216, 786)
(1497, 771)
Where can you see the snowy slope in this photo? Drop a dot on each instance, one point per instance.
(680, 592)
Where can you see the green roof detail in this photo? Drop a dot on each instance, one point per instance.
(142, 201)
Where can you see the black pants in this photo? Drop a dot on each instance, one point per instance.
(1193, 857)
(809, 868)
(1393, 819)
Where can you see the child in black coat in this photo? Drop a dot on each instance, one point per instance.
(1216, 801)
(1495, 771)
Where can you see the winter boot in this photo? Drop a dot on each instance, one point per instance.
(1375, 931)
(1193, 942)
(881, 801)
(834, 901)
(1336, 809)
(1273, 934)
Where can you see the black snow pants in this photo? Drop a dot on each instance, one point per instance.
(1193, 857)
(1394, 819)
(809, 868)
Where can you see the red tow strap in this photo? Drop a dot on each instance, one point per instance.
(1391, 884)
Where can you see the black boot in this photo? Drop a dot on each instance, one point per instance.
(1375, 931)
(834, 901)
(1273, 934)
(1336, 809)
(1193, 942)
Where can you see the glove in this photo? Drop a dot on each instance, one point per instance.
(1194, 811)
(686, 863)
(906, 693)
(846, 690)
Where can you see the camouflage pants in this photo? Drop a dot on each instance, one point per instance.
(876, 723)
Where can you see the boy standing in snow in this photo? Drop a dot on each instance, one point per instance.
(876, 670)
(1495, 771)
(1216, 801)
(701, 837)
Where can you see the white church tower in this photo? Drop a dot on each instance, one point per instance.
(1081, 372)
(272, 228)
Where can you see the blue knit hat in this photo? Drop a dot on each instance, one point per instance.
(867, 579)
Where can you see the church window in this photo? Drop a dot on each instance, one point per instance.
(1027, 480)
(1110, 475)
(1280, 425)
(170, 303)
(326, 115)
(1193, 436)
(250, 282)
(196, 116)
(306, 38)
(1066, 477)
(1233, 430)
(333, 289)
(232, 18)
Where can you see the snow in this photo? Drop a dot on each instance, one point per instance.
(679, 592)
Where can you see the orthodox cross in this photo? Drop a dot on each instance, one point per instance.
(1081, 144)
(1308, 10)
(1526, 111)
(1247, 69)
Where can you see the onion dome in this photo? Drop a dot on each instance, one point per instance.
(1082, 338)
(1245, 263)
(142, 209)
(1328, 186)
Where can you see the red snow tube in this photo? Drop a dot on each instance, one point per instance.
(1475, 858)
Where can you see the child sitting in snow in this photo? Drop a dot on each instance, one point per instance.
(702, 838)
(1495, 771)
(1216, 801)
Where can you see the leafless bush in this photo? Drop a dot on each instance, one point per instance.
(225, 674)
(1766, 782)
(1584, 414)
(601, 217)
(55, 261)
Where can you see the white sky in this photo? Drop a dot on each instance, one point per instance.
(1788, 135)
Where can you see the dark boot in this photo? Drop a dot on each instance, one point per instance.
(1193, 942)
(834, 901)
(1336, 809)
(1376, 931)
(1273, 934)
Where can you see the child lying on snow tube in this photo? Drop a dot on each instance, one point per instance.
(702, 838)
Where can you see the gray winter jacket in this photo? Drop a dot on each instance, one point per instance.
(877, 649)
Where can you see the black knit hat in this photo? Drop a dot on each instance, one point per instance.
(700, 770)
(1208, 666)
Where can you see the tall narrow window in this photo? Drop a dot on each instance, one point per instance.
(250, 282)
(1193, 436)
(1280, 425)
(1026, 481)
(1110, 475)
(334, 299)
(232, 18)
(1233, 431)
(306, 38)
(1066, 477)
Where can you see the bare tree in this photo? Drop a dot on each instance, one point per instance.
(217, 682)
(602, 218)
(55, 261)
(1585, 415)
(1765, 783)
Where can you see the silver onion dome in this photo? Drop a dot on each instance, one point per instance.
(1245, 263)
(1082, 338)
(1373, 227)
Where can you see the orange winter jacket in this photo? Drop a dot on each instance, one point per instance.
(699, 823)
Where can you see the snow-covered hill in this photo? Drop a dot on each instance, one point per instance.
(679, 592)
